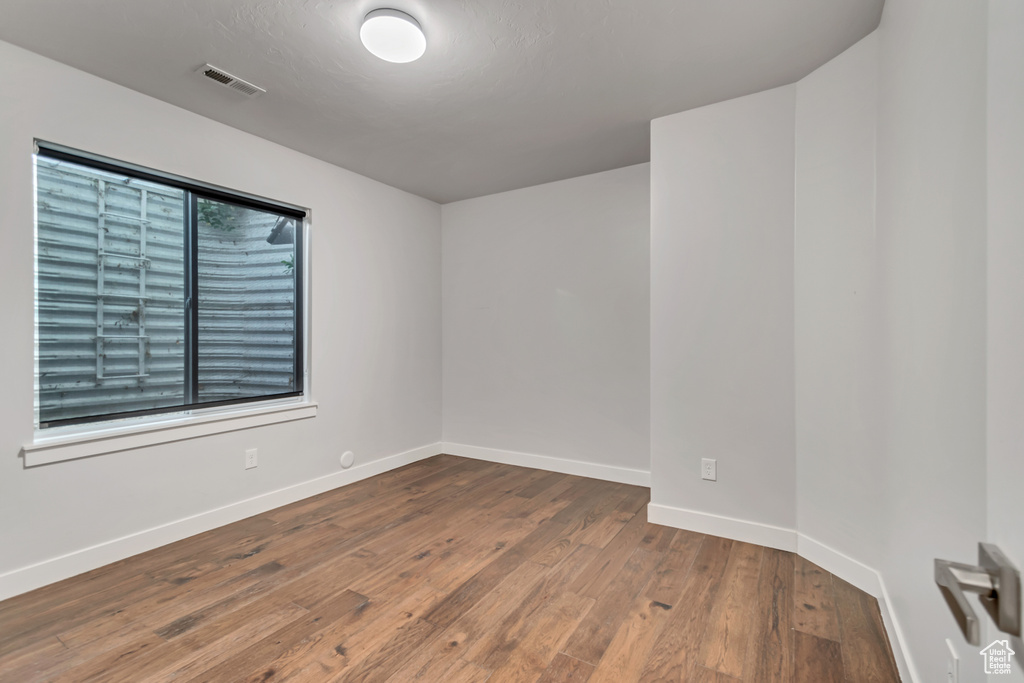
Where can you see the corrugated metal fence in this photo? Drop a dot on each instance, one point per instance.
(246, 309)
(110, 298)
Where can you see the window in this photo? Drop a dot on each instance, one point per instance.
(158, 294)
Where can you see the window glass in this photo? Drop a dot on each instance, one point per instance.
(246, 302)
(153, 296)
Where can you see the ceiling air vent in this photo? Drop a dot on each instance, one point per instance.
(229, 81)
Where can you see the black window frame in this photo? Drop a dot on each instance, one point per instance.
(193, 191)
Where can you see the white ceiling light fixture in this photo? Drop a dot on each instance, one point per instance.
(393, 36)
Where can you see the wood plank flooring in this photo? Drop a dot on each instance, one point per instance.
(451, 570)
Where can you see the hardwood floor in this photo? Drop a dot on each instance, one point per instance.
(451, 570)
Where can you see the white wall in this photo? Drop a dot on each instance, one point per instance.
(838, 364)
(822, 334)
(1005, 284)
(546, 318)
(376, 340)
(722, 369)
(931, 215)
(889, 255)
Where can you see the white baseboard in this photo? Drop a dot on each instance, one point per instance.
(908, 672)
(77, 562)
(868, 580)
(843, 566)
(622, 475)
(848, 569)
(727, 527)
(863, 577)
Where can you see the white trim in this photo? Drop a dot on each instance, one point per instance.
(622, 475)
(843, 566)
(908, 672)
(87, 442)
(727, 527)
(49, 571)
(46, 572)
(868, 580)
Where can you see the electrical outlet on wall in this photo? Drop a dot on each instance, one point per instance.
(709, 469)
(250, 458)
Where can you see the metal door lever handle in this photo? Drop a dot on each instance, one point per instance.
(995, 579)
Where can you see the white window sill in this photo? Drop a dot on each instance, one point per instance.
(84, 442)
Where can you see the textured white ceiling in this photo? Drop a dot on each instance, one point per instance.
(510, 93)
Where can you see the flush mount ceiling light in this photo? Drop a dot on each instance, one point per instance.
(393, 36)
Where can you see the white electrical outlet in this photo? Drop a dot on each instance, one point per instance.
(250, 458)
(709, 469)
(952, 664)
